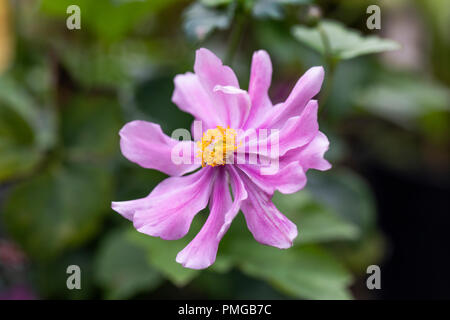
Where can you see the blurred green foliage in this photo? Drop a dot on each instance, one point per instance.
(67, 93)
(123, 268)
(108, 20)
(341, 42)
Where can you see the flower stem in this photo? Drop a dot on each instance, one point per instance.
(235, 38)
(331, 64)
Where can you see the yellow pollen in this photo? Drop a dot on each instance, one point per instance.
(216, 145)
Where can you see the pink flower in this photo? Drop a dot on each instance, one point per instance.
(228, 114)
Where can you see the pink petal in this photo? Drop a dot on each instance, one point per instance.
(296, 132)
(268, 225)
(232, 109)
(167, 212)
(201, 252)
(260, 79)
(144, 143)
(239, 195)
(310, 156)
(191, 97)
(212, 72)
(306, 88)
(288, 178)
(237, 104)
(197, 133)
(128, 208)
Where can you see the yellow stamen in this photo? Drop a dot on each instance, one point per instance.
(216, 145)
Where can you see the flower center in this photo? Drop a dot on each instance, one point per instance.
(216, 145)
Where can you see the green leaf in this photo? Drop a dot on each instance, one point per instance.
(51, 276)
(200, 20)
(268, 9)
(62, 207)
(162, 253)
(122, 268)
(303, 272)
(15, 160)
(18, 153)
(344, 43)
(113, 66)
(25, 130)
(315, 222)
(90, 127)
(408, 104)
(295, 1)
(109, 20)
(290, 53)
(273, 9)
(404, 100)
(40, 119)
(346, 193)
(213, 3)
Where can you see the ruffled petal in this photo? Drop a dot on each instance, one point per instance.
(237, 103)
(268, 225)
(296, 132)
(191, 97)
(239, 195)
(144, 143)
(284, 177)
(167, 212)
(201, 252)
(260, 79)
(128, 208)
(310, 156)
(305, 89)
(301, 147)
(212, 74)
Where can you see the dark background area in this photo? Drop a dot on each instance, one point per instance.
(413, 213)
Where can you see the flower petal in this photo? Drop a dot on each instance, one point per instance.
(260, 79)
(191, 97)
(144, 143)
(310, 156)
(128, 208)
(287, 178)
(300, 130)
(238, 104)
(239, 195)
(268, 225)
(201, 252)
(212, 73)
(306, 88)
(296, 132)
(167, 212)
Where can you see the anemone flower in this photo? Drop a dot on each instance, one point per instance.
(240, 138)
